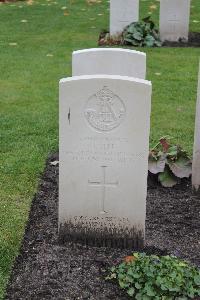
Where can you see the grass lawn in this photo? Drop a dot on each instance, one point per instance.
(37, 39)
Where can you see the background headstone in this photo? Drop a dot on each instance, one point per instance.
(174, 19)
(196, 152)
(104, 144)
(122, 13)
(109, 61)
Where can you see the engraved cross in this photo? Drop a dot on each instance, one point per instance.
(103, 184)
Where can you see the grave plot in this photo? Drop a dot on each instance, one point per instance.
(29, 131)
(102, 209)
(172, 31)
(47, 269)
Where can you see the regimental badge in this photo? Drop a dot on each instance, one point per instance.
(104, 110)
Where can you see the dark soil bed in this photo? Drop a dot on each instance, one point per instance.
(46, 269)
(193, 41)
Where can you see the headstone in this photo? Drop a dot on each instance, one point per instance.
(122, 13)
(196, 151)
(104, 142)
(109, 61)
(174, 20)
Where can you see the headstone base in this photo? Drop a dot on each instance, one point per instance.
(196, 191)
(101, 236)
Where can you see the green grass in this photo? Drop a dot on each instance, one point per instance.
(29, 96)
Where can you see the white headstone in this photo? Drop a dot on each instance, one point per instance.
(196, 151)
(174, 19)
(109, 61)
(122, 13)
(104, 142)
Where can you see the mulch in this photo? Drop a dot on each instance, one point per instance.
(46, 269)
(193, 41)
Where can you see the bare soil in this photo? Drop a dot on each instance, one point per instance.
(193, 41)
(47, 269)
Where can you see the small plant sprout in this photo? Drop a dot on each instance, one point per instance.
(170, 162)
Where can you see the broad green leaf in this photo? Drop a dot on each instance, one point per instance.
(132, 29)
(130, 272)
(182, 264)
(173, 151)
(137, 36)
(122, 284)
(182, 167)
(139, 296)
(131, 291)
(149, 40)
(167, 179)
(150, 292)
(128, 40)
(121, 276)
(136, 275)
(136, 254)
(135, 43)
(138, 286)
(146, 297)
(197, 279)
(157, 166)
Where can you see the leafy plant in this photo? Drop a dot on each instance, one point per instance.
(146, 277)
(170, 162)
(141, 34)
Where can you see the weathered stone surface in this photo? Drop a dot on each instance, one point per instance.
(122, 13)
(104, 142)
(196, 151)
(174, 20)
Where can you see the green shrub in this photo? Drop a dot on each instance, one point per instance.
(141, 34)
(170, 162)
(146, 277)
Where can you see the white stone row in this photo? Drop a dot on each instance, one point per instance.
(174, 17)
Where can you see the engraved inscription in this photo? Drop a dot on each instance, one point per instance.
(105, 150)
(121, 157)
(105, 110)
(174, 22)
(103, 184)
